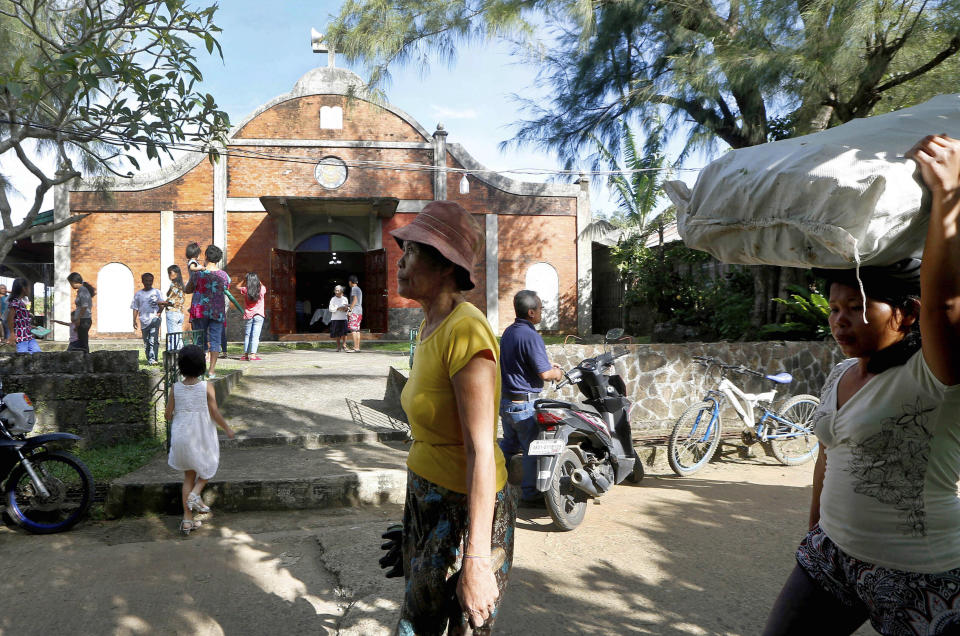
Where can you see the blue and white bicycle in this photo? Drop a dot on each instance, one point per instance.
(789, 430)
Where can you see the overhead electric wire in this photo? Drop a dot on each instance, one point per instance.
(235, 151)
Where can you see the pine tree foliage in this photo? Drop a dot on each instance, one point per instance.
(741, 72)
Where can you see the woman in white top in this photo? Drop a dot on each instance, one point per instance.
(338, 317)
(884, 540)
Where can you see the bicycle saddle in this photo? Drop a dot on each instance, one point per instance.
(781, 378)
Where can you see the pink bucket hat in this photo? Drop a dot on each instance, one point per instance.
(449, 228)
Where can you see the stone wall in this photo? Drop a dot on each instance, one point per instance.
(663, 379)
(102, 397)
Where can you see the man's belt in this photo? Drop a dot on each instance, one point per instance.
(522, 397)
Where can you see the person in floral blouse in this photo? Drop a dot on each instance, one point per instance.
(207, 311)
(174, 304)
(18, 318)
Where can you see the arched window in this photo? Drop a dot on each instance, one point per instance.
(328, 243)
(114, 295)
(543, 279)
(331, 117)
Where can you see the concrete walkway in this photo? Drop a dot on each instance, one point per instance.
(299, 394)
(313, 431)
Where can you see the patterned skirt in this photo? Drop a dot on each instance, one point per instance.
(435, 523)
(899, 603)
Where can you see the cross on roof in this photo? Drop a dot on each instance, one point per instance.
(320, 46)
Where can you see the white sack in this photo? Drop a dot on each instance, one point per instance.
(819, 200)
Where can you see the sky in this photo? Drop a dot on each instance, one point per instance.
(266, 49)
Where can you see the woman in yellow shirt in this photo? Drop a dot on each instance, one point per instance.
(458, 508)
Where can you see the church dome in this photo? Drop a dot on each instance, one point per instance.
(327, 80)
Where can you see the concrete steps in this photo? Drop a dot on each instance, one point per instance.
(285, 477)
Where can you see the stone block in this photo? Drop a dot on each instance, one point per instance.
(100, 435)
(67, 415)
(112, 410)
(114, 361)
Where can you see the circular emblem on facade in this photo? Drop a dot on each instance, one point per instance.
(331, 172)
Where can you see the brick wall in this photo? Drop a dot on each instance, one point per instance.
(300, 119)
(485, 199)
(117, 237)
(526, 240)
(250, 177)
(192, 191)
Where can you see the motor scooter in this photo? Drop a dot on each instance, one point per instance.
(584, 449)
(45, 490)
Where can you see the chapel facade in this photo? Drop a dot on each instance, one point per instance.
(305, 194)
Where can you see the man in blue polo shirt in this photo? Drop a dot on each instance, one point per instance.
(523, 368)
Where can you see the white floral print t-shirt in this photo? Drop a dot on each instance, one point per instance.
(893, 461)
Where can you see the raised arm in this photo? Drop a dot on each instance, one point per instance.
(475, 389)
(938, 157)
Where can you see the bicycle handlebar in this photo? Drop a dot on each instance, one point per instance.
(739, 368)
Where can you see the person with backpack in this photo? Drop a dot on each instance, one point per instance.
(253, 292)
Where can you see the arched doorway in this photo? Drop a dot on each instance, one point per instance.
(115, 289)
(323, 261)
(543, 279)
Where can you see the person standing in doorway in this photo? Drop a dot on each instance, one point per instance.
(82, 316)
(524, 366)
(207, 311)
(338, 317)
(354, 312)
(146, 308)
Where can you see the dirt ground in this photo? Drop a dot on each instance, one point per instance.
(705, 554)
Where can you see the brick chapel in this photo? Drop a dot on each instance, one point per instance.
(304, 195)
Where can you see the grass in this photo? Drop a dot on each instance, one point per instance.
(111, 462)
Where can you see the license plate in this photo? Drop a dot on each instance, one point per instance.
(547, 446)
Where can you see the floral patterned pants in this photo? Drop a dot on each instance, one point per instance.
(435, 523)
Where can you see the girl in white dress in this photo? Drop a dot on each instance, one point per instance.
(194, 447)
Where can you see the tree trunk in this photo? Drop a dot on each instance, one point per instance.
(765, 285)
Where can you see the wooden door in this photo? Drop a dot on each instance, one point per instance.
(375, 290)
(283, 291)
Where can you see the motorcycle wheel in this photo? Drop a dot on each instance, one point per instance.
(566, 505)
(691, 445)
(801, 446)
(70, 488)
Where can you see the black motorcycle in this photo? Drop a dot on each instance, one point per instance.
(46, 490)
(584, 449)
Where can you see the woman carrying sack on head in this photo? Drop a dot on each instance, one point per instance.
(884, 539)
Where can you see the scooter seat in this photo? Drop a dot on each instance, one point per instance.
(781, 378)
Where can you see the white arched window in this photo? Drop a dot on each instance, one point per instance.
(543, 279)
(114, 295)
(331, 117)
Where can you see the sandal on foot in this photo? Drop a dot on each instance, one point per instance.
(195, 503)
(187, 526)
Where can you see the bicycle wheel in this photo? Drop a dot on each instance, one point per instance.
(70, 492)
(694, 438)
(800, 445)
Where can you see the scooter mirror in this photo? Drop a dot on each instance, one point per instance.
(614, 334)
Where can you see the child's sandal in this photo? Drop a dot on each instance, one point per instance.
(195, 503)
(187, 526)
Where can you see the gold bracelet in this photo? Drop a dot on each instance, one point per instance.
(476, 556)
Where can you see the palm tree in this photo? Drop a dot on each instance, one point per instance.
(638, 179)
